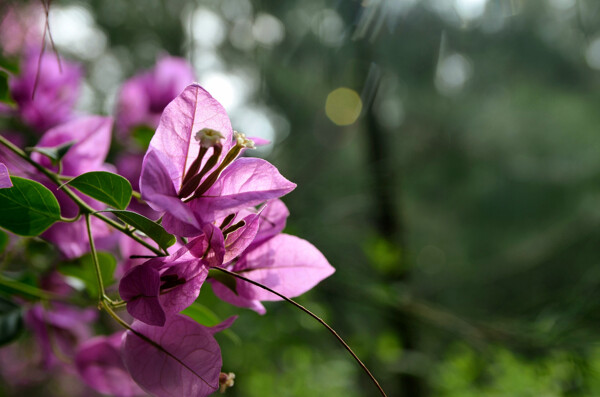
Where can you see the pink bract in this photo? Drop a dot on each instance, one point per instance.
(229, 185)
(180, 359)
(5, 181)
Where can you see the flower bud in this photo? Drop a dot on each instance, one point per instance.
(226, 381)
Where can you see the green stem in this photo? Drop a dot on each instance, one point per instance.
(70, 220)
(83, 206)
(118, 304)
(299, 306)
(101, 294)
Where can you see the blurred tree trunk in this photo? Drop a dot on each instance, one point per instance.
(388, 222)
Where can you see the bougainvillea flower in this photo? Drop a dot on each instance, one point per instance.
(143, 97)
(55, 94)
(192, 172)
(180, 359)
(167, 285)
(4, 177)
(99, 363)
(62, 328)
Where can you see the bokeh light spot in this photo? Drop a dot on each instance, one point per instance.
(343, 106)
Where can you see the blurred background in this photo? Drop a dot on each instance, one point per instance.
(447, 156)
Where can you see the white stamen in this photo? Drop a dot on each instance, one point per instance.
(241, 140)
(208, 137)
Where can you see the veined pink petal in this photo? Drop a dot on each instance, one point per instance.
(140, 288)
(272, 221)
(191, 111)
(240, 239)
(286, 264)
(246, 182)
(193, 274)
(158, 191)
(223, 325)
(226, 294)
(4, 177)
(210, 246)
(155, 178)
(183, 358)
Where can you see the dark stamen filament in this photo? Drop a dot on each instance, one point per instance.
(233, 228)
(227, 221)
(192, 182)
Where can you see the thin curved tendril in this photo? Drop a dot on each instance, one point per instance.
(299, 306)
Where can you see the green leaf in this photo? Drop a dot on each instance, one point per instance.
(142, 134)
(3, 241)
(10, 64)
(4, 90)
(111, 189)
(54, 153)
(226, 279)
(28, 208)
(83, 269)
(203, 315)
(11, 321)
(147, 226)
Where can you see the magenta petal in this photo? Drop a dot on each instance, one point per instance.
(178, 298)
(187, 363)
(240, 239)
(143, 97)
(158, 191)
(227, 295)
(98, 362)
(191, 111)
(246, 182)
(170, 76)
(140, 289)
(175, 226)
(286, 264)
(272, 221)
(223, 325)
(4, 177)
(56, 92)
(91, 136)
(147, 309)
(71, 238)
(133, 104)
(259, 141)
(155, 179)
(212, 254)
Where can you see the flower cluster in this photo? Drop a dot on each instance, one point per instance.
(220, 207)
